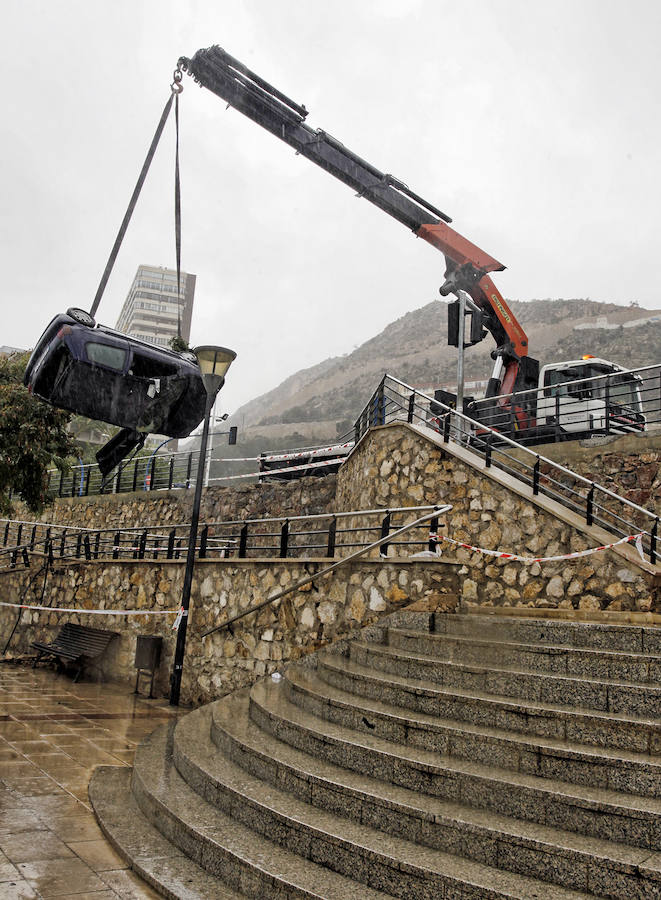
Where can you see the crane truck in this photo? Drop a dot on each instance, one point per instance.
(467, 268)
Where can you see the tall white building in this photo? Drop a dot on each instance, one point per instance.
(150, 309)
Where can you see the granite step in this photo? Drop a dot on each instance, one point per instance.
(151, 856)
(582, 764)
(515, 682)
(599, 729)
(545, 852)
(545, 801)
(614, 665)
(385, 857)
(221, 845)
(594, 635)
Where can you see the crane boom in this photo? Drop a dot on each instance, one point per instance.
(467, 266)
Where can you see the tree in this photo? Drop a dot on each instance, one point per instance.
(33, 438)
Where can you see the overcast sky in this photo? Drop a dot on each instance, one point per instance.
(535, 125)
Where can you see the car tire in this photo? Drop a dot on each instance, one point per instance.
(81, 316)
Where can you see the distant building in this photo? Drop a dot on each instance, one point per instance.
(150, 309)
(9, 351)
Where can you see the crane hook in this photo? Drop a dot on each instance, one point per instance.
(177, 87)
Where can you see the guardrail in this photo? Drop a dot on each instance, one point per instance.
(322, 535)
(393, 400)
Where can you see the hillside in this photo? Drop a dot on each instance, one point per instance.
(320, 403)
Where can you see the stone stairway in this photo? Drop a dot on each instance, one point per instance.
(446, 756)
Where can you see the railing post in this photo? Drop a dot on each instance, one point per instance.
(59, 489)
(87, 480)
(356, 431)
(79, 544)
(535, 478)
(33, 537)
(19, 533)
(590, 506)
(189, 467)
(115, 548)
(608, 397)
(385, 531)
(171, 537)
(142, 543)
(62, 542)
(284, 539)
(653, 539)
(6, 538)
(409, 415)
(446, 428)
(73, 484)
(433, 535)
(135, 476)
(204, 536)
(332, 530)
(97, 543)
(171, 472)
(118, 480)
(487, 452)
(88, 549)
(243, 541)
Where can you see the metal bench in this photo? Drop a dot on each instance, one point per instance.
(76, 645)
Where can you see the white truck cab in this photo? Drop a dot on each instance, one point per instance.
(576, 398)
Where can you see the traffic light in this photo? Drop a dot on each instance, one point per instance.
(474, 329)
(453, 323)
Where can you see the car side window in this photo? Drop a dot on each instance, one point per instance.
(106, 355)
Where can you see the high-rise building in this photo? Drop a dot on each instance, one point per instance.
(150, 309)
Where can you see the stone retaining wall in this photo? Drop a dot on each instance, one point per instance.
(395, 466)
(323, 611)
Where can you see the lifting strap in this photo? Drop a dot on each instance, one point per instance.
(175, 89)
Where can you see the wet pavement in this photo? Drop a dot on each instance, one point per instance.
(53, 733)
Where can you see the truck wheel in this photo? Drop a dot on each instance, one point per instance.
(80, 316)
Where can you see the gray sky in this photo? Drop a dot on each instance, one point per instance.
(536, 126)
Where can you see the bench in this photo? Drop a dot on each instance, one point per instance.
(76, 645)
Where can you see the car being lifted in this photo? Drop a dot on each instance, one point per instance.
(95, 371)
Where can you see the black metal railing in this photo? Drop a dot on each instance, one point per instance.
(155, 473)
(325, 535)
(393, 401)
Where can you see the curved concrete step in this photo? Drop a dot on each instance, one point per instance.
(517, 796)
(156, 860)
(547, 853)
(616, 770)
(614, 665)
(596, 635)
(515, 682)
(223, 846)
(598, 729)
(385, 856)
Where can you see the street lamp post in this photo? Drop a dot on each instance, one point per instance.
(214, 363)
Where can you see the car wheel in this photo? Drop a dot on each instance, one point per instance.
(80, 316)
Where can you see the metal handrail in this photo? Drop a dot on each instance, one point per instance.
(438, 510)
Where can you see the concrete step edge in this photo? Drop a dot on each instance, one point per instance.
(276, 764)
(159, 863)
(271, 704)
(649, 730)
(325, 693)
(275, 809)
(218, 842)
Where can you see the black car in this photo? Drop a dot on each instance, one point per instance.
(94, 371)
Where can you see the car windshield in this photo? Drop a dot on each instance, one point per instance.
(594, 382)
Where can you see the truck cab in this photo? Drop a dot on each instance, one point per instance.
(578, 398)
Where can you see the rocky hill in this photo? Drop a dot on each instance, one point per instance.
(320, 403)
